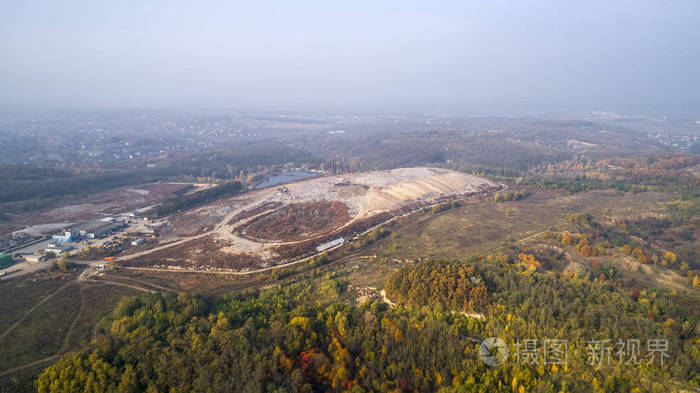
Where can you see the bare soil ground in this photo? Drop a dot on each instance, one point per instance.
(298, 221)
(267, 206)
(193, 223)
(107, 202)
(198, 282)
(205, 252)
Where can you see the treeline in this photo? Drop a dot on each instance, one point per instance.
(636, 238)
(664, 172)
(370, 238)
(27, 172)
(466, 151)
(179, 203)
(444, 206)
(510, 196)
(239, 160)
(498, 149)
(683, 211)
(581, 184)
(13, 189)
(281, 341)
(32, 184)
(458, 287)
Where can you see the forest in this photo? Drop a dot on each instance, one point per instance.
(31, 183)
(660, 172)
(279, 340)
(503, 145)
(179, 203)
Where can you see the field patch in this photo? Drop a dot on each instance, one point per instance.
(41, 333)
(483, 225)
(298, 221)
(22, 293)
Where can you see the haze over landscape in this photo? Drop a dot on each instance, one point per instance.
(357, 197)
(473, 57)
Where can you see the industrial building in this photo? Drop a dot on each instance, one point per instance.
(58, 249)
(68, 235)
(34, 258)
(88, 230)
(330, 244)
(99, 228)
(157, 228)
(5, 261)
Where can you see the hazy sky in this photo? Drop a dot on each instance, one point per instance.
(612, 54)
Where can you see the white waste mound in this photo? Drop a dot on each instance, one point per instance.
(375, 192)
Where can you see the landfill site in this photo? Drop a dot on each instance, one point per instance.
(287, 223)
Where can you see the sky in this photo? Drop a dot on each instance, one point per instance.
(475, 56)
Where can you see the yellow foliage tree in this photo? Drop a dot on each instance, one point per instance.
(566, 239)
(671, 257)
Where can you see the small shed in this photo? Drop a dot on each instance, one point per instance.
(5, 260)
(34, 258)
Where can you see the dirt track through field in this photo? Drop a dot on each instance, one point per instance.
(29, 365)
(82, 281)
(74, 322)
(28, 312)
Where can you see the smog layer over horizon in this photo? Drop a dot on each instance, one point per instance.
(473, 55)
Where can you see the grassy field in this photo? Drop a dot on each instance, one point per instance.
(201, 283)
(44, 315)
(98, 301)
(483, 225)
(20, 294)
(41, 333)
